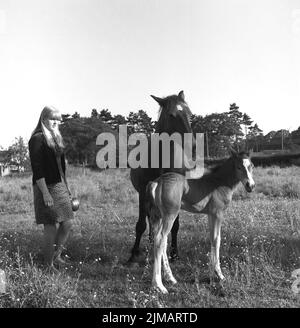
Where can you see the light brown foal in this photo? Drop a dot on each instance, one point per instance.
(211, 194)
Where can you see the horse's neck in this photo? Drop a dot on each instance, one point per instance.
(172, 167)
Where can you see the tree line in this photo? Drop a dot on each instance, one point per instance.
(231, 127)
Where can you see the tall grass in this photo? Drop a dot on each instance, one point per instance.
(260, 247)
(274, 182)
(30, 286)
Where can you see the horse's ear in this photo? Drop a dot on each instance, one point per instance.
(159, 100)
(181, 95)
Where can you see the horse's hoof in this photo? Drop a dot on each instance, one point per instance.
(135, 258)
(131, 265)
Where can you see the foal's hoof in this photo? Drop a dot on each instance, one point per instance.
(220, 279)
(207, 279)
(161, 289)
(218, 276)
(218, 290)
(172, 281)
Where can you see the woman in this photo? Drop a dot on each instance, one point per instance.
(51, 195)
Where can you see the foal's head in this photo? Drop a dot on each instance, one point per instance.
(243, 169)
(174, 114)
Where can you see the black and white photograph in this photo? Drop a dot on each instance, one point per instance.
(149, 157)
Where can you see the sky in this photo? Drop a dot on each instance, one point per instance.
(77, 55)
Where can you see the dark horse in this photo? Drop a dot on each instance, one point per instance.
(211, 194)
(174, 116)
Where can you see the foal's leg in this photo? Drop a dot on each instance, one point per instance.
(158, 253)
(174, 232)
(215, 221)
(140, 228)
(168, 223)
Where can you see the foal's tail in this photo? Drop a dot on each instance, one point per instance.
(150, 192)
(151, 207)
(150, 196)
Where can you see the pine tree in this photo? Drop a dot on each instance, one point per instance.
(236, 120)
(247, 122)
(76, 115)
(105, 116)
(140, 122)
(118, 120)
(94, 113)
(255, 133)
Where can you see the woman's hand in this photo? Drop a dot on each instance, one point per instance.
(48, 200)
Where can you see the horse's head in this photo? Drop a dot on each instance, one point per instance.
(243, 169)
(174, 114)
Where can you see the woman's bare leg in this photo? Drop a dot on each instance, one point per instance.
(62, 235)
(49, 243)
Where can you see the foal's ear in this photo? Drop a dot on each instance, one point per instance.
(233, 152)
(250, 152)
(181, 95)
(159, 100)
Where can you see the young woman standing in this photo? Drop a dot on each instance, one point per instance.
(52, 203)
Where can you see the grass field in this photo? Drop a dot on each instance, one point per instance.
(260, 247)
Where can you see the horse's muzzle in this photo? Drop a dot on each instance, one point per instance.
(249, 187)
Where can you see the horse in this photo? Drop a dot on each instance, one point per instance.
(174, 116)
(211, 194)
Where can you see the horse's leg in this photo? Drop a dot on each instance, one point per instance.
(140, 228)
(174, 232)
(167, 224)
(158, 253)
(215, 221)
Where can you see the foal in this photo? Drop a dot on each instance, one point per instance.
(211, 194)
(174, 117)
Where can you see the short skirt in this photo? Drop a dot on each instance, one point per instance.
(61, 209)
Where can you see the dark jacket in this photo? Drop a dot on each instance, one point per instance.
(43, 160)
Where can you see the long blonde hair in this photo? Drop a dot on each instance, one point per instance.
(53, 137)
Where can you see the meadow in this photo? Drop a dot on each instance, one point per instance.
(260, 247)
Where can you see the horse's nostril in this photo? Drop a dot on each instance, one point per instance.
(249, 187)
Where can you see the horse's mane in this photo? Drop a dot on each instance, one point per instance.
(216, 168)
(209, 171)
